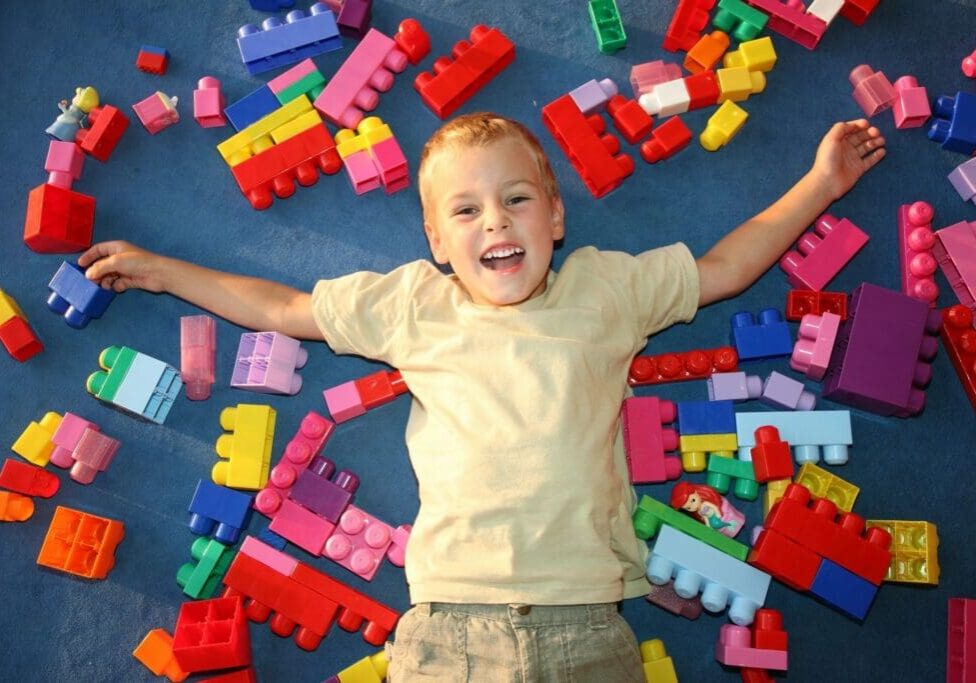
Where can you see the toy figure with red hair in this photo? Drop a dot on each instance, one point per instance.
(707, 506)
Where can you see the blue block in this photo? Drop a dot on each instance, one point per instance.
(278, 44)
(163, 396)
(768, 338)
(843, 590)
(273, 539)
(153, 50)
(251, 107)
(271, 5)
(213, 505)
(76, 297)
(705, 417)
(954, 123)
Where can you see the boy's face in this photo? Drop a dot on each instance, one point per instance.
(492, 220)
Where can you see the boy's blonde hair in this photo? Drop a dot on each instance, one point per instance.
(478, 130)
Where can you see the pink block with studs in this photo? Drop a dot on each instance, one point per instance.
(912, 108)
(93, 454)
(646, 439)
(66, 437)
(209, 103)
(915, 243)
(814, 344)
(362, 172)
(292, 76)
(734, 648)
(302, 527)
(344, 402)
(398, 548)
(359, 542)
(308, 442)
(823, 252)
(391, 163)
(873, 91)
(265, 554)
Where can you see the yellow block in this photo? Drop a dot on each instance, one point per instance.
(369, 669)
(299, 124)
(35, 444)
(348, 143)
(824, 484)
(658, 667)
(723, 126)
(914, 551)
(755, 55)
(775, 488)
(257, 137)
(9, 308)
(374, 130)
(737, 83)
(247, 449)
(694, 448)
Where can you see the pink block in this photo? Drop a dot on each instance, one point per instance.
(359, 542)
(398, 549)
(873, 91)
(362, 172)
(593, 95)
(156, 112)
(302, 527)
(292, 76)
(955, 251)
(208, 103)
(355, 87)
(646, 440)
(643, 77)
(814, 344)
(791, 20)
(733, 649)
(66, 437)
(344, 402)
(265, 554)
(63, 163)
(391, 164)
(93, 454)
(198, 348)
(307, 443)
(784, 392)
(961, 641)
(822, 252)
(912, 108)
(915, 243)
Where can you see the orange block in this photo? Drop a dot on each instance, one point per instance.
(15, 507)
(156, 654)
(81, 544)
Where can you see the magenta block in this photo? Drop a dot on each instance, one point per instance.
(592, 96)
(156, 112)
(268, 556)
(821, 253)
(359, 542)
(398, 548)
(814, 344)
(915, 243)
(733, 386)
(791, 20)
(881, 362)
(302, 527)
(93, 454)
(66, 438)
(63, 163)
(781, 391)
(198, 348)
(292, 76)
(326, 498)
(912, 108)
(646, 440)
(267, 363)
(391, 164)
(963, 179)
(955, 250)
(873, 91)
(344, 402)
(734, 648)
(353, 17)
(362, 172)
(643, 77)
(208, 103)
(308, 442)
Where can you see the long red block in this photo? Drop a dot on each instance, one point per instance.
(959, 339)
(59, 221)
(785, 560)
(28, 479)
(679, 367)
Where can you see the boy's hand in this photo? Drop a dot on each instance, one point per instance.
(119, 266)
(847, 151)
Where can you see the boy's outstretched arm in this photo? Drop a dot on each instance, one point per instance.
(247, 301)
(847, 152)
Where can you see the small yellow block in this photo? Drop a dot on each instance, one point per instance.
(723, 126)
(374, 130)
(695, 447)
(755, 55)
(257, 137)
(9, 308)
(738, 83)
(775, 488)
(369, 669)
(299, 124)
(824, 484)
(914, 551)
(247, 449)
(348, 143)
(658, 667)
(35, 444)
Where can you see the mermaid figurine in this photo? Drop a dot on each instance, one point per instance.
(707, 506)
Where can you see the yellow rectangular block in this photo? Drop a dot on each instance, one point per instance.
(247, 449)
(737, 83)
(709, 443)
(35, 444)
(9, 308)
(257, 137)
(824, 484)
(755, 55)
(723, 125)
(348, 143)
(775, 489)
(914, 551)
(299, 124)
(374, 130)
(658, 667)
(369, 669)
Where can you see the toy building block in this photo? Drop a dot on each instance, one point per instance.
(916, 241)
(268, 363)
(755, 55)
(824, 484)
(651, 514)
(271, 5)
(801, 302)
(643, 77)
(369, 669)
(302, 79)
(211, 634)
(279, 43)
(246, 452)
(733, 386)
(721, 579)
(272, 539)
(106, 126)
(734, 648)
(81, 544)
(135, 382)
(767, 337)
(882, 359)
(914, 551)
(155, 652)
(667, 99)
(658, 667)
(969, 65)
(646, 440)
(593, 96)
(15, 333)
(354, 398)
(706, 53)
(911, 109)
(665, 598)
(815, 344)
(961, 641)
(858, 11)
(807, 432)
(737, 83)
(963, 179)
(264, 553)
(15, 507)
(959, 339)
(201, 577)
(474, 65)
(93, 454)
(245, 675)
(361, 171)
(955, 251)
(723, 469)
(252, 107)
(66, 438)
(318, 491)
(29, 480)
(76, 297)
(413, 40)
(687, 22)
(784, 559)
(372, 157)
(723, 125)
(157, 112)
(198, 346)
(220, 511)
(843, 590)
(739, 19)
(825, 10)
(666, 140)
(954, 123)
(59, 219)
(678, 367)
(703, 90)
(397, 552)
(257, 136)
(791, 20)
(821, 253)
(873, 91)
(775, 488)
(696, 448)
(209, 103)
(705, 417)
(368, 70)
(302, 527)
(785, 392)
(152, 59)
(353, 18)
(313, 433)
(771, 458)
(359, 542)
(35, 445)
(606, 22)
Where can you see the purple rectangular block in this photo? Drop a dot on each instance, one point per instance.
(267, 363)
(593, 95)
(315, 491)
(354, 17)
(733, 386)
(781, 391)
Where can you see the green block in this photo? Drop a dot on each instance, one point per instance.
(609, 29)
(748, 21)
(115, 361)
(202, 579)
(651, 514)
(310, 85)
(721, 471)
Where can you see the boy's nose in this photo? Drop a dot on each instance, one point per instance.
(496, 219)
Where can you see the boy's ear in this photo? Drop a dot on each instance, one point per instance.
(558, 217)
(436, 247)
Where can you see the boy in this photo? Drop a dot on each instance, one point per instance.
(523, 543)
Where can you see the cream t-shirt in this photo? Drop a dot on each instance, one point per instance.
(513, 431)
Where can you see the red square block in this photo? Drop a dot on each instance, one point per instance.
(59, 221)
(212, 634)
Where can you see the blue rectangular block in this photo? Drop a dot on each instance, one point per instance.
(706, 417)
(271, 5)
(217, 506)
(76, 297)
(278, 44)
(769, 337)
(253, 106)
(274, 540)
(843, 590)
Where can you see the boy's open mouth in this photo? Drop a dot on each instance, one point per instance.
(502, 258)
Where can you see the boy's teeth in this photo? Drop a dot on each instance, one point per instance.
(503, 253)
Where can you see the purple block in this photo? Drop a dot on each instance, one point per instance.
(326, 498)
(881, 359)
(733, 386)
(593, 96)
(267, 363)
(279, 43)
(354, 17)
(784, 392)
(963, 178)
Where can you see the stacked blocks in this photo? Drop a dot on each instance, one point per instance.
(81, 544)
(59, 220)
(791, 20)
(246, 452)
(302, 79)
(208, 103)
(263, 133)
(373, 157)
(650, 515)
(277, 44)
(76, 297)
(959, 340)
(606, 22)
(914, 551)
(646, 439)
(211, 634)
(35, 444)
(106, 126)
(705, 426)
(16, 334)
(354, 398)
(267, 363)
(308, 442)
(822, 253)
(735, 648)
(632, 122)
(915, 243)
(767, 337)
(771, 458)
(316, 489)
(152, 59)
(807, 432)
(29, 480)
(254, 106)
(157, 112)
(66, 438)
(594, 96)
(679, 367)
(954, 123)
(681, 95)
(643, 77)
(801, 302)
(201, 577)
(955, 250)
(219, 511)
(815, 344)
(755, 55)
(93, 453)
(135, 382)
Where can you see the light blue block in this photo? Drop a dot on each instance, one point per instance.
(807, 432)
(165, 392)
(139, 382)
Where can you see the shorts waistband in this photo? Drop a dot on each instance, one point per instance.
(527, 615)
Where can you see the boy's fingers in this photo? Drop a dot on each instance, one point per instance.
(873, 157)
(97, 251)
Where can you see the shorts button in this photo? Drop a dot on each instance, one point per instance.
(523, 609)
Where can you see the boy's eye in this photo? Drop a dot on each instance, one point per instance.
(465, 211)
(518, 199)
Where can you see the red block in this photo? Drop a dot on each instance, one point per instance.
(152, 63)
(959, 339)
(785, 560)
(630, 120)
(702, 89)
(771, 456)
(240, 676)
(379, 388)
(678, 367)
(413, 40)
(28, 479)
(767, 630)
(59, 221)
(800, 302)
(668, 139)
(858, 11)
(687, 22)
(755, 676)
(19, 339)
(211, 634)
(107, 126)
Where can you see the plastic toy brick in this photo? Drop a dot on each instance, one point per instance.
(733, 386)
(961, 641)
(279, 43)
(843, 590)
(391, 163)
(246, 452)
(873, 91)
(815, 344)
(882, 359)
(155, 652)
(643, 77)
(707, 52)
(302, 527)
(667, 99)
(245, 675)
(771, 457)
(93, 454)
(963, 179)
(591, 152)
(705, 417)
(916, 241)
(369, 669)
(152, 59)
(755, 55)
(252, 107)
(106, 127)
(81, 544)
(157, 112)
(219, 511)
(677, 367)
(201, 579)
(911, 109)
(372, 157)
(267, 363)
(354, 398)
(15, 507)
(722, 579)
(272, 539)
(687, 22)
(807, 432)
(822, 253)
(666, 140)
(646, 439)
(397, 552)
(359, 542)
(66, 438)
(209, 103)
(781, 391)
(271, 5)
(29, 480)
(211, 634)
(723, 125)
(354, 17)
(299, 79)
(135, 382)
(307, 443)
(954, 123)
(658, 667)
(959, 339)
(823, 484)
(767, 337)
(784, 559)
(801, 302)
(368, 70)
(362, 172)
(914, 551)
(263, 552)
(665, 598)
(737, 83)
(317, 490)
(412, 40)
(651, 514)
(703, 90)
(15, 333)
(76, 297)
(739, 19)
(955, 251)
(35, 445)
(722, 470)
(775, 488)
(256, 137)
(606, 22)
(593, 96)
(825, 10)
(792, 22)
(734, 649)
(198, 346)
(858, 11)
(58, 220)
(474, 65)
(695, 448)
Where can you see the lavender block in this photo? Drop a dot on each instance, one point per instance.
(784, 392)
(733, 386)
